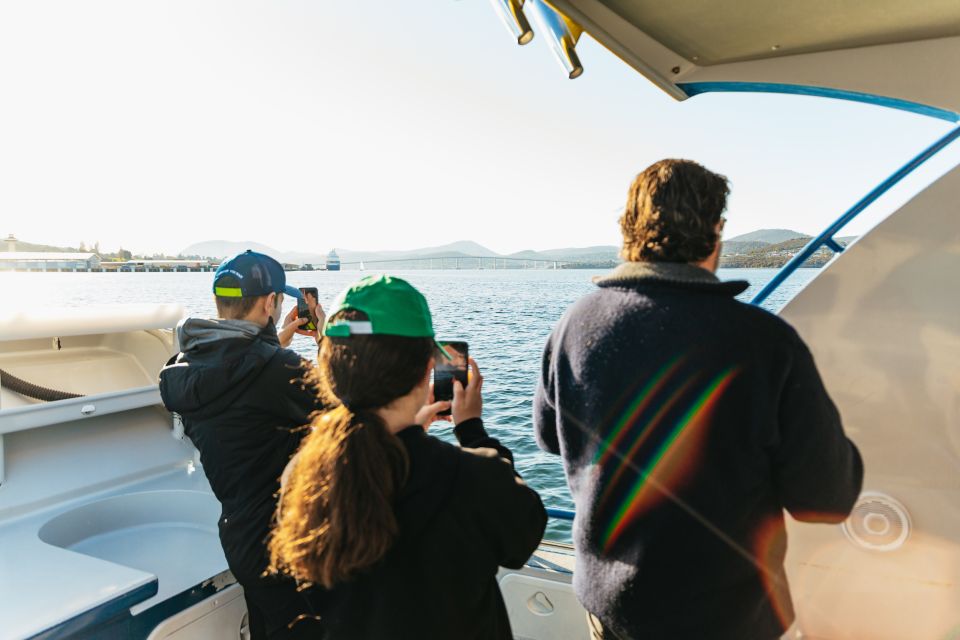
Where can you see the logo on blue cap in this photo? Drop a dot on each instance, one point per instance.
(251, 274)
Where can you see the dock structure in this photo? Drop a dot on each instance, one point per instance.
(162, 266)
(91, 263)
(59, 261)
(43, 261)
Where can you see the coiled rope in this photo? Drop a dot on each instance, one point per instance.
(24, 388)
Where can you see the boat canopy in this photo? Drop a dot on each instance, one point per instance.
(901, 54)
(90, 320)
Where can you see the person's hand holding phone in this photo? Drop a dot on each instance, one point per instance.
(468, 403)
(309, 309)
(428, 413)
(321, 319)
(291, 324)
(320, 315)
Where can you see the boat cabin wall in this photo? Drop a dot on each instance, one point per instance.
(86, 365)
(883, 322)
(116, 433)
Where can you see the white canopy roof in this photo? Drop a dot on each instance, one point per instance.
(904, 51)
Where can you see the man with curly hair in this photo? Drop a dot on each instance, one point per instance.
(687, 421)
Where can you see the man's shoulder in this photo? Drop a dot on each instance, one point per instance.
(589, 303)
(757, 317)
(611, 307)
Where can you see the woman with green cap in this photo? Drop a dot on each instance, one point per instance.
(402, 532)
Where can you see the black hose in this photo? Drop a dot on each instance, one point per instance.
(34, 391)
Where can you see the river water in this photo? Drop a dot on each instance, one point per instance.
(505, 315)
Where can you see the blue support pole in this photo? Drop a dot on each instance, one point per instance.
(852, 213)
(833, 245)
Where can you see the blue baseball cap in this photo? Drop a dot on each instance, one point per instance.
(251, 274)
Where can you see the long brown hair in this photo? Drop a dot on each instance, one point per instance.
(336, 515)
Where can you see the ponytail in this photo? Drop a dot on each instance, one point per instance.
(335, 516)
(336, 513)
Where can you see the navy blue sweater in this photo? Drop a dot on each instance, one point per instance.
(687, 422)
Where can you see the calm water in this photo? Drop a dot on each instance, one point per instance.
(504, 315)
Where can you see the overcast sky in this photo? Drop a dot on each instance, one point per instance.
(310, 124)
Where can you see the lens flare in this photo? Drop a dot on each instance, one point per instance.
(770, 547)
(628, 458)
(672, 461)
(643, 399)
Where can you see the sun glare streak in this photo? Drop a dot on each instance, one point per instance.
(680, 503)
(672, 461)
(770, 544)
(644, 434)
(636, 409)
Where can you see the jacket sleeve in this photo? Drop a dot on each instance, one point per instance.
(471, 434)
(300, 399)
(818, 470)
(509, 514)
(544, 411)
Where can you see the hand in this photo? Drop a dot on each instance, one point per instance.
(321, 317)
(291, 324)
(468, 403)
(428, 412)
(317, 311)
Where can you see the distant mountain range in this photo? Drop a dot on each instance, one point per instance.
(599, 255)
(761, 248)
(768, 236)
(461, 249)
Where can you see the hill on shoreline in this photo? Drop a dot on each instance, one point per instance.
(764, 248)
(774, 256)
(460, 249)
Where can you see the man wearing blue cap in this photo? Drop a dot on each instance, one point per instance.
(242, 399)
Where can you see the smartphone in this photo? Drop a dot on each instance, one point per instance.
(447, 367)
(303, 309)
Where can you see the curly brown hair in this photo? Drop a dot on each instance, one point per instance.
(673, 209)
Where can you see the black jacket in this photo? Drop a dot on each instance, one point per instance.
(462, 513)
(687, 422)
(242, 403)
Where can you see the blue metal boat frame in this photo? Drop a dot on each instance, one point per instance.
(826, 237)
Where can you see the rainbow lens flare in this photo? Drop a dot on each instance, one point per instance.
(636, 409)
(669, 463)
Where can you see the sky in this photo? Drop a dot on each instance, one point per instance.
(306, 125)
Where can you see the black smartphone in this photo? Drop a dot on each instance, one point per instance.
(450, 363)
(303, 308)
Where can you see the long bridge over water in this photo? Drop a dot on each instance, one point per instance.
(449, 262)
(463, 262)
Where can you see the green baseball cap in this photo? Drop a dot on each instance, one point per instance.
(392, 305)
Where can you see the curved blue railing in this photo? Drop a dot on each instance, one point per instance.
(560, 514)
(826, 237)
(697, 88)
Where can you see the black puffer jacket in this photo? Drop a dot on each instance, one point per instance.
(462, 513)
(687, 422)
(242, 401)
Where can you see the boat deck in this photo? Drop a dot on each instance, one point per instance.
(126, 548)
